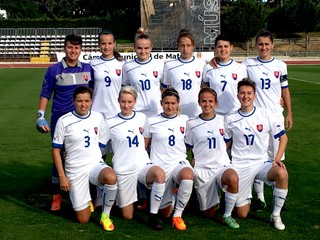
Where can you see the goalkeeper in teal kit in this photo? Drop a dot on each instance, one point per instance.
(60, 81)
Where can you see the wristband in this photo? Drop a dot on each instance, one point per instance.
(40, 114)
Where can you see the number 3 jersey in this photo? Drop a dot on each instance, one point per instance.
(167, 144)
(270, 76)
(82, 138)
(250, 134)
(129, 154)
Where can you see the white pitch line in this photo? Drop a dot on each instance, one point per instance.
(297, 79)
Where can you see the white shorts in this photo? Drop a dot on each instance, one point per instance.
(80, 187)
(172, 175)
(127, 185)
(274, 143)
(246, 179)
(206, 184)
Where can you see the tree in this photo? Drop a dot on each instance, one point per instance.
(244, 19)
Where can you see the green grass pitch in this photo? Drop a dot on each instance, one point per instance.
(25, 174)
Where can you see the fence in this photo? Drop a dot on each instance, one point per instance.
(25, 43)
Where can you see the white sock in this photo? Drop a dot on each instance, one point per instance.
(183, 196)
(279, 197)
(230, 199)
(156, 196)
(109, 197)
(259, 189)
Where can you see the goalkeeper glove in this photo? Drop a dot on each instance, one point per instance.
(42, 124)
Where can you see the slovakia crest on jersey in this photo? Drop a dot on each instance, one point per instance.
(234, 76)
(118, 72)
(260, 127)
(182, 130)
(155, 74)
(85, 77)
(95, 130)
(276, 74)
(221, 131)
(198, 74)
(141, 130)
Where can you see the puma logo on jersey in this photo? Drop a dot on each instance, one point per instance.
(85, 130)
(107, 71)
(224, 76)
(171, 129)
(264, 73)
(131, 131)
(248, 129)
(210, 132)
(186, 74)
(144, 74)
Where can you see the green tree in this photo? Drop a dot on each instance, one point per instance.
(20, 8)
(244, 19)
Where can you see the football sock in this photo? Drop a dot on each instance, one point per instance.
(109, 197)
(279, 197)
(183, 196)
(259, 189)
(156, 196)
(230, 199)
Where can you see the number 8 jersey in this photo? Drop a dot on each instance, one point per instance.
(167, 144)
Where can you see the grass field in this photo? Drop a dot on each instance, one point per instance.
(25, 174)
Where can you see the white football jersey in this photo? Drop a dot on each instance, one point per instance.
(250, 135)
(205, 138)
(129, 154)
(145, 78)
(107, 78)
(167, 144)
(81, 137)
(224, 81)
(185, 77)
(269, 76)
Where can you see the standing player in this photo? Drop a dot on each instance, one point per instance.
(106, 76)
(131, 161)
(106, 83)
(60, 80)
(165, 132)
(223, 78)
(270, 76)
(204, 135)
(184, 74)
(144, 74)
(249, 129)
(81, 133)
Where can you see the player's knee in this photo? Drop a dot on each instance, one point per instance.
(83, 219)
(127, 216)
(282, 175)
(243, 211)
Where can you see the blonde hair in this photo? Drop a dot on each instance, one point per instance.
(128, 90)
